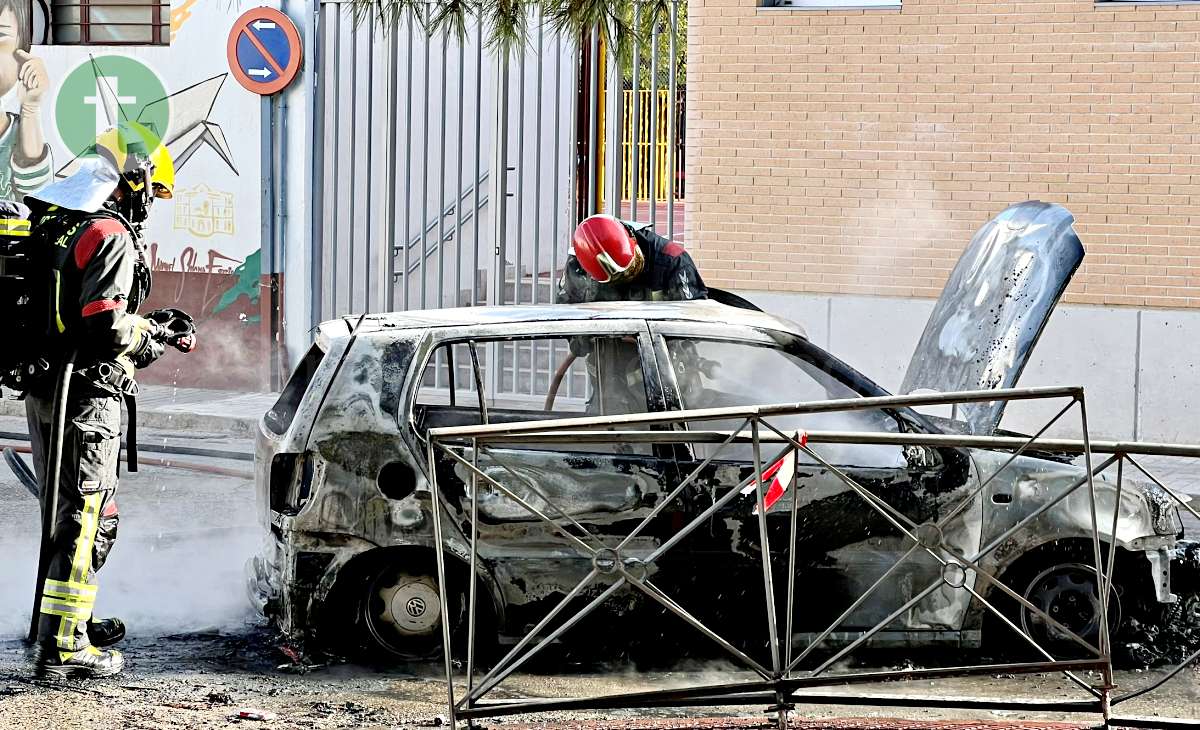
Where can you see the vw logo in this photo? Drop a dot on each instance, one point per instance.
(415, 607)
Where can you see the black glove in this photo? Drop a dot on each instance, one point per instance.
(176, 328)
(151, 349)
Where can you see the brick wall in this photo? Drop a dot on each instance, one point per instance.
(856, 151)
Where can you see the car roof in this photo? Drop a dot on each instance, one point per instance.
(693, 311)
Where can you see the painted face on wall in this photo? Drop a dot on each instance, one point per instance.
(10, 42)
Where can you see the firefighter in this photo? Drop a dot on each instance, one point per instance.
(93, 276)
(613, 260)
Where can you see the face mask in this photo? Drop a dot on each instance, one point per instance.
(631, 272)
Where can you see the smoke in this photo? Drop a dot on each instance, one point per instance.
(177, 565)
(714, 374)
(211, 364)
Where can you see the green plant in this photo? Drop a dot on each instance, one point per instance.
(507, 21)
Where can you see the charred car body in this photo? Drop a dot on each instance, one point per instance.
(343, 488)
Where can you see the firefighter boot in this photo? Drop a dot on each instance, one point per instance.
(87, 663)
(105, 631)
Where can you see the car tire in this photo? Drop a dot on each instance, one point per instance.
(1067, 591)
(1062, 576)
(400, 615)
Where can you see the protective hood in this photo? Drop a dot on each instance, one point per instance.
(86, 189)
(994, 307)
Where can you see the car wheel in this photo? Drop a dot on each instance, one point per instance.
(402, 614)
(1068, 593)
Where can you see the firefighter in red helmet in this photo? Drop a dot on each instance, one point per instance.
(613, 260)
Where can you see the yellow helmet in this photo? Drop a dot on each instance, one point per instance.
(130, 147)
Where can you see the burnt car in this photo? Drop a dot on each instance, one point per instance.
(344, 492)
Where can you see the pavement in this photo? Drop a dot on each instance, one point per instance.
(171, 408)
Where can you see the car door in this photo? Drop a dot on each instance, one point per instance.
(595, 490)
(843, 544)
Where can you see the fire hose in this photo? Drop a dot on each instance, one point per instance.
(26, 476)
(58, 424)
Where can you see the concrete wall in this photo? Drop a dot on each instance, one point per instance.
(1139, 367)
(855, 151)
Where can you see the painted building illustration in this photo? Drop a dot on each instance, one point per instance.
(204, 212)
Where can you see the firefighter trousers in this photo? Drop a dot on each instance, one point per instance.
(86, 521)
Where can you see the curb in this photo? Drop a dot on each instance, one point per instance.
(238, 426)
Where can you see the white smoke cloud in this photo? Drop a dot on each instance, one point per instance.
(177, 565)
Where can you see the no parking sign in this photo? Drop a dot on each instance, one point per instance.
(264, 50)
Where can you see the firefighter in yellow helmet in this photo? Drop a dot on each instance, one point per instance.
(90, 276)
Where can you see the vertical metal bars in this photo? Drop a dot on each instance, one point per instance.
(593, 121)
(477, 181)
(653, 195)
(410, 211)
(407, 205)
(672, 115)
(652, 110)
(614, 131)
(635, 119)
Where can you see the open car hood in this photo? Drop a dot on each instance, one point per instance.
(994, 307)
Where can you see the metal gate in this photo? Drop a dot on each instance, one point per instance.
(418, 137)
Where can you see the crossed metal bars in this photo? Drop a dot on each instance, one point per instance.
(780, 683)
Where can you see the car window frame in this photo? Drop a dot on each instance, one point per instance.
(546, 329)
(855, 381)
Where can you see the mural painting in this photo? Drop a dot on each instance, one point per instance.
(25, 157)
(203, 245)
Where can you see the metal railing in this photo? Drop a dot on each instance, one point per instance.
(406, 117)
(655, 65)
(438, 223)
(781, 681)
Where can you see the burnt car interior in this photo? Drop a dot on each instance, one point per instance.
(511, 379)
(538, 378)
(714, 373)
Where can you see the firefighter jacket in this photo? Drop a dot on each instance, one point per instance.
(90, 286)
(668, 274)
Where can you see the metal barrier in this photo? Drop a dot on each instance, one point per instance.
(961, 573)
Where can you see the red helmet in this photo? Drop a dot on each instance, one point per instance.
(606, 250)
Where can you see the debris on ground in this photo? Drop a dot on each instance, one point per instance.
(291, 653)
(438, 721)
(1169, 640)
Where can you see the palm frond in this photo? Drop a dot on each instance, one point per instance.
(452, 15)
(508, 21)
(385, 13)
(652, 13)
(613, 19)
